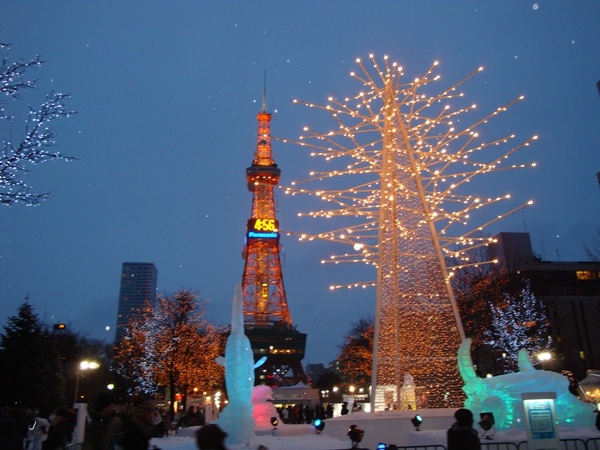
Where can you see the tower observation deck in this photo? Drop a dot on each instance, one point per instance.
(267, 319)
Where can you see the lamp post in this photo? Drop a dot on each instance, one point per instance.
(83, 365)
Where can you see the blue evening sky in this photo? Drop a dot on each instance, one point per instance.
(167, 94)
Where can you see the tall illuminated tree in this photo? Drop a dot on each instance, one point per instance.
(171, 344)
(405, 156)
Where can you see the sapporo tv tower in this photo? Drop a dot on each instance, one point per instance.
(267, 319)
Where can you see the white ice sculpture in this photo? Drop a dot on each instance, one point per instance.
(501, 394)
(236, 419)
(408, 398)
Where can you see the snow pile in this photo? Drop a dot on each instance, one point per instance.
(273, 441)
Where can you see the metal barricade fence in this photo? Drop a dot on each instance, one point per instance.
(593, 444)
(74, 446)
(565, 444)
(421, 447)
(486, 445)
(573, 444)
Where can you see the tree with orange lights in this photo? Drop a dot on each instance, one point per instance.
(356, 353)
(171, 344)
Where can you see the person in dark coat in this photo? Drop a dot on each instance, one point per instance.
(9, 432)
(104, 424)
(211, 437)
(140, 429)
(462, 435)
(60, 431)
(344, 410)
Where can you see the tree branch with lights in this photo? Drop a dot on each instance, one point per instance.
(36, 140)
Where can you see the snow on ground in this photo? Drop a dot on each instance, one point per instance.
(303, 439)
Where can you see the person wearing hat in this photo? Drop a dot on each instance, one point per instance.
(104, 424)
(140, 430)
(211, 437)
(462, 435)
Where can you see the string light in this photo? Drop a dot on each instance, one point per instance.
(403, 160)
(34, 147)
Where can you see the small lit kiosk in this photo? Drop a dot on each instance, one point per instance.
(540, 420)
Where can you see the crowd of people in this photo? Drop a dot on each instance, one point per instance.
(192, 417)
(31, 431)
(299, 414)
(106, 429)
(133, 429)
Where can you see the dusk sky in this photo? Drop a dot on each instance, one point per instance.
(167, 94)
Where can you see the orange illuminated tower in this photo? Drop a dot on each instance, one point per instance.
(267, 319)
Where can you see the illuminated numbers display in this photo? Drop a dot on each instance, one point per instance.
(265, 225)
(263, 228)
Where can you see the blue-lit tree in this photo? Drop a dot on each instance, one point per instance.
(519, 322)
(21, 148)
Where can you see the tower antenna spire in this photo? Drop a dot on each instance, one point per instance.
(264, 103)
(267, 319)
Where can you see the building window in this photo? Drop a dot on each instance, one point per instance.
(586, 275)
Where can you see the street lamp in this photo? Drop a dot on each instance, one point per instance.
(83, 365)
(543, 357)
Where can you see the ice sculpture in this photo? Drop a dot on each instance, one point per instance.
(501, 395)
(264, 409)
(236, 419)
(408, 398)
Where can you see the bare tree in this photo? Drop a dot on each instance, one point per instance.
(35, 141)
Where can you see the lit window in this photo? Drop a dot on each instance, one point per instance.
(586, 275)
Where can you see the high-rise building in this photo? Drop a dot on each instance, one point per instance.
(138, 284)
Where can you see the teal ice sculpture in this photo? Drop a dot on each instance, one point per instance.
(501, 394)
(236, 419)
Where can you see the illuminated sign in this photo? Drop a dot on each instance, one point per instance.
(263, 228)
(540, 420)
(261, 225)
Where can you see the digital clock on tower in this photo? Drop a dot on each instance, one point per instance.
(263, 228)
